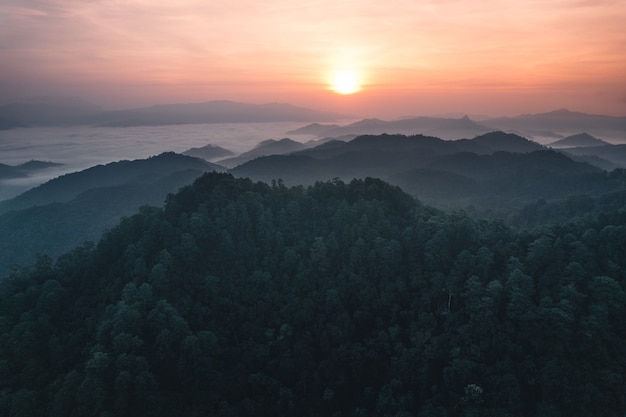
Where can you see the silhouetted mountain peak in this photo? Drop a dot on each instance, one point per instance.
(579, 140)
(508, 142)
(313, 129)
(264, 148)
(272, 142)
(209, 152)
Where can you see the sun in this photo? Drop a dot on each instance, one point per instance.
(345, 82)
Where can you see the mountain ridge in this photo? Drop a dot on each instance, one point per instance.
(68, 186)
(215, 111)
(579, 140)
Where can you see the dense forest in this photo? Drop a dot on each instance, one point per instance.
(339, 299)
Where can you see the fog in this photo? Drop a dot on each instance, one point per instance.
(82, 147)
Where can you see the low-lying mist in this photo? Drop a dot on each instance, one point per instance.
(81, 147)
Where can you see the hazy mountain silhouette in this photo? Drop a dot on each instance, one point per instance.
(313, 129)
(141, 171)
(25, 169)
(419, 147)
(562, 121)
(495, 169)
(578, 140)
(213, 112)
(209, 152)
(613, 153)
(47, 112)
(264, 148)
(445, 128)
(68, 112)
(594, 160)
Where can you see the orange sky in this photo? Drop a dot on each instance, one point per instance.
(497, 57)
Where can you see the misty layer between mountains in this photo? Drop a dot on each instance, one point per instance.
(493, 175)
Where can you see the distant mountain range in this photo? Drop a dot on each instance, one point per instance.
(74, 112)
(495, 172)
(563, 122)
(382, 155)
(542, 126)
(444, 128)
(25, 169)
(496, 169)
(615, 154)
(48, 112)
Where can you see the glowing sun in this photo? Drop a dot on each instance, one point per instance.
(345, 82)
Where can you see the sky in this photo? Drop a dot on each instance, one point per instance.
(408, 57)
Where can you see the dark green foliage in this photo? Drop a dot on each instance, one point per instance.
(245, 299)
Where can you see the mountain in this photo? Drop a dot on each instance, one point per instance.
(564, 122)
(47, 112)
(25, 169)
(67, 112)
(503, 179)
(578, 140)
(615, 154)
(507, 142)
(67, 211)
(266, 147)
(213, 112)
(384, 155)
(313, 129)
(341, 299)
(495, 170)
(445, 128)
(69, 186)
(209, 152)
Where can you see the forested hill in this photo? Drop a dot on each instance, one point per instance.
(245, 299)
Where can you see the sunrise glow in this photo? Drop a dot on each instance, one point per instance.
(346, 82)
(421, 57)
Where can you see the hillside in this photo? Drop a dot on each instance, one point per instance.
(505, 171)
(239, 298)
(68, 186)
(615, 154)
(79, 207)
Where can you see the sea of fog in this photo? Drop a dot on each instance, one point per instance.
(81, 147)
